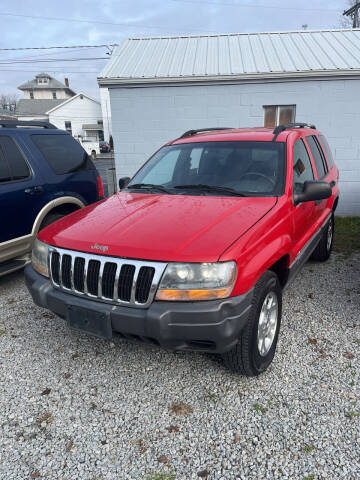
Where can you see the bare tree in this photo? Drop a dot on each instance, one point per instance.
(8, 101)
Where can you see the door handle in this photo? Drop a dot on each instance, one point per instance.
(34, 190)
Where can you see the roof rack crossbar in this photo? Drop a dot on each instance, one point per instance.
(188, 133)
(25, 123)
(281, 128)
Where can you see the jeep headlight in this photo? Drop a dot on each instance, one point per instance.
(197, 281)
(39, 258)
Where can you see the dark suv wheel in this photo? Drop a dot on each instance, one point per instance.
(256, 348)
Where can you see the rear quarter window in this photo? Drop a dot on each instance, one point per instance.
(63, 153)
(13, 166)
(326, 147)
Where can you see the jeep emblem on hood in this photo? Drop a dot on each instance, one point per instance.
(103, 248)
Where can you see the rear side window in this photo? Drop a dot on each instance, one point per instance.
(17, 168)
(318, 156)
(302, 167)
(63, 152)
(327, 149)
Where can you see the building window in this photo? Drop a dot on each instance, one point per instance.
(32, 95)
(68, 127)
(278, 115)
(100, 122)
(54, 94)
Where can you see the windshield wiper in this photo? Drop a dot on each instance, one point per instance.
(211, 188)
(150, 186)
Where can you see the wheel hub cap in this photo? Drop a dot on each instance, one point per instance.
(267, 323)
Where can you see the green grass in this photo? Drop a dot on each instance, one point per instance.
(347, 235)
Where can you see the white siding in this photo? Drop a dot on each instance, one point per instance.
(145, 118)
(78, 111)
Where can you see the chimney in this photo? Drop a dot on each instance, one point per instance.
(67, 82)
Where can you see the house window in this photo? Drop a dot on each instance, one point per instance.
(32, 95)
(100, 122)
(278, 115)
(54, 94)
(68, 127)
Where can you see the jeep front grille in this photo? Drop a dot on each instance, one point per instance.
(109, 279)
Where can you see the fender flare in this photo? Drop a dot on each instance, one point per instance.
(50, 206)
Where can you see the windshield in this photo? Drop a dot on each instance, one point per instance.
(252, 168)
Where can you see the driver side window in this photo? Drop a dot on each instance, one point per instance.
(302, 167)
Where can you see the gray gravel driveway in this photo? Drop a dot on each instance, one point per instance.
(74, 407)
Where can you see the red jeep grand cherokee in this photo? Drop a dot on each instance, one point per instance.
(194, 252)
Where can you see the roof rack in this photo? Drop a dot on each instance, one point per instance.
(281, 128)
(194, 132)
(23, 123)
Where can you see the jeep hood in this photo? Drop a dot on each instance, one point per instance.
(159, 227)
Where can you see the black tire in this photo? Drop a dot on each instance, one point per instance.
(245, 357)
(324, 248)
(93, 155)
(51, 218)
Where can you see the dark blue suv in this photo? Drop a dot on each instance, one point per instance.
(44, 174)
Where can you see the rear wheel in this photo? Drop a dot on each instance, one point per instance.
(93, 155)
(324, 248)
(256, 347)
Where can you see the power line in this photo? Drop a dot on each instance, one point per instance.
(47, 60)
(50, 70)
(256, 6)
(62, 46)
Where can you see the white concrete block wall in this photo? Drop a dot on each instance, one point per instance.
(143, 119)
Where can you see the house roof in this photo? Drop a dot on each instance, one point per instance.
(27, 106)
(55, 107)
(247, 55)
(52, 84)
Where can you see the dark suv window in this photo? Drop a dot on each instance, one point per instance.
(318, 157)
(302, 167)
(63, 152)
(12, 162)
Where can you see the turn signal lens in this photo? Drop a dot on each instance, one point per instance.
(192, 295)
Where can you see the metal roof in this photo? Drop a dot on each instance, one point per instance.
(245, 55)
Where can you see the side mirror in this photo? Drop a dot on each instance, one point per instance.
(313, 190)
(123, 182)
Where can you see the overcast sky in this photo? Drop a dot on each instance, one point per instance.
(92, 22)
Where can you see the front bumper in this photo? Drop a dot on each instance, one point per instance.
(212, 326)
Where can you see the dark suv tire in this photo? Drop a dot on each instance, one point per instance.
(324, 248)
(257, 344)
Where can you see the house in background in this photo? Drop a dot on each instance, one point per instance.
(161, 87)
(81, 116)
(106, 112)
(47, 99)
(40, 95)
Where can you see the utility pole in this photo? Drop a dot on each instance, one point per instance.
(353, 12)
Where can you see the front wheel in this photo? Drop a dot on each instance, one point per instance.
(256, 347)
(324, 248)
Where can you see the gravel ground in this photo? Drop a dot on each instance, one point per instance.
(74, 407)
